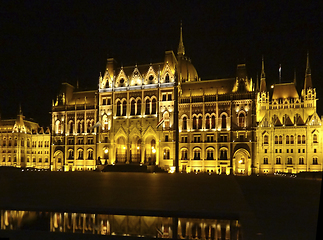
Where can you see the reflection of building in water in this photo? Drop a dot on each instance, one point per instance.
(24, 143)
(122, 225)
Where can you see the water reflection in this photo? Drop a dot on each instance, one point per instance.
(121, 225)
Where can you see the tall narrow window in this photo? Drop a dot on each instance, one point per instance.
(299, 139)
(167, 78)
(118, 108)
(139, 107)
(200, 122)
(153, 106)
(213, 122)
(276, 139)
(166, 120)
(207, 122)
(303, 139)
(315, 138)
(266, 139)
(147, 107)
(133, 107)
(184, 123)
(194, 122)
(224, 122)
(280, 139)
(124, 108)
(241, 120)
(292, 139)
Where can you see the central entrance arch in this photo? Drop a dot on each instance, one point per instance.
(241, 162)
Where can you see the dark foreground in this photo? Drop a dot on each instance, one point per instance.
(267, 207)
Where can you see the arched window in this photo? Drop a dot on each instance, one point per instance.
(266, 139)
(276, 139)
(303, 139)
(132, 107)
(80, 154)
(194, 122)
(70, 154)
(209, 154)
(224, 122)
(89, 125)
(278, 160)
(280, 140)
(207, 122)
(223, 154)
(292, 139)
(147, 107)
(287, 139)
(299, 139)
(166, 153)
(153, 106)
(315, 138)
(139, 107)
(118, 108)
(71, 127)
(124, 108)
(241, 120)
(200, 122)
(184, 123)
(90, 154)
(197, 154)
(167, 78)
(213, 122)
(184, 154)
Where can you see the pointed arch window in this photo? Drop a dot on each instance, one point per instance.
(118, 108)
(194, 122)
(315, 138)
(133, 107)
(147, 107)
(124, 108)
(90, 154)
(224, 122)
(241, 120)
(184, 123)
(292, 139)
(213, 122)
(303, 139)
(207, 122)
(266, 139)
(71, 127)
(139, 107)
(287, 139)
(167, 78)
(200, 122)
(299, 140)
(80, 154)
(197, 154)
(276, 139)
(153, 106)
(280, 139)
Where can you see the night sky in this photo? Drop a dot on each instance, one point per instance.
(45, 44)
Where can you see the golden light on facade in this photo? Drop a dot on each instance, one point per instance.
(154, 150)
(106, 150)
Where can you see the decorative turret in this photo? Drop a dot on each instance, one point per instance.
(308, 77)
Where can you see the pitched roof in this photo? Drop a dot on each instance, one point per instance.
(285, 90)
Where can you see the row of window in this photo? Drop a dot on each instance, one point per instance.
(289, 139)
(80, 154)
(34, 143)
(23, 160)
(290, 160)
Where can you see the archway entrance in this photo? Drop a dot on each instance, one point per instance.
(241, 162)
(121, 150)
(58, 161)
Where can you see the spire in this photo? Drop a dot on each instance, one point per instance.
(308, 77)
(262, 76)
(181, 49)
(263, 68)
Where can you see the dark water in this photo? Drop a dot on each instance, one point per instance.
(122, 225)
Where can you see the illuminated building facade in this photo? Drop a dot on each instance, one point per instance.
(73, 139)
(24, 144)
(289, 132)
(224, 125)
